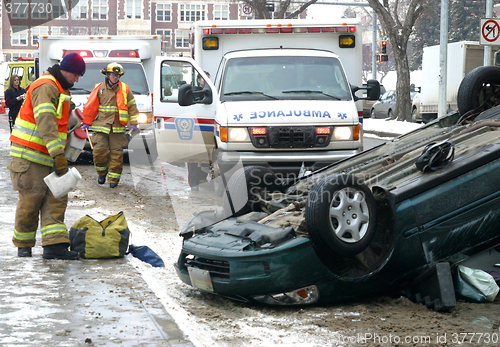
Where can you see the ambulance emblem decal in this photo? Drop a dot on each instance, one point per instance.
(185, 127)
(342, 115)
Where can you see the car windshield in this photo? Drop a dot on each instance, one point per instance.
(284, 78)
(134, 76)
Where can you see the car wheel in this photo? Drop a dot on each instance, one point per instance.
(247, 187)
(372, 113)
(341, 215)
(479, 88)
(390, 114)
(414, 115)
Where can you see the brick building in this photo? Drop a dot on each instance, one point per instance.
(170, 19)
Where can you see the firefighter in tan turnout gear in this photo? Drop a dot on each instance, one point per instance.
(110, 107)
(38, 142)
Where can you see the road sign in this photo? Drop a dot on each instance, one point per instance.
(490, 32)
(246, 10)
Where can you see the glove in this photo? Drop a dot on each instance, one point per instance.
(133, 128)
(86, 127)
(60, 165)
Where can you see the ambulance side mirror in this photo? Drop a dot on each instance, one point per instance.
(372, 88)
(188, 97)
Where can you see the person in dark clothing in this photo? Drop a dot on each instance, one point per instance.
(14, 98)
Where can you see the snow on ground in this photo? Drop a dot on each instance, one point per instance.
(389, 126)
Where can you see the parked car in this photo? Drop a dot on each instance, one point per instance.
(366, 225)
(415, 109)
(367, 104)
(384, 107)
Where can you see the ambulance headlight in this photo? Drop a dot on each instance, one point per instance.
(342, 133)
(145, 118)
(238, 134)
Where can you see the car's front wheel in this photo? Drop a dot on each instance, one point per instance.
(480, 87)
(341, 215)
(372, 113)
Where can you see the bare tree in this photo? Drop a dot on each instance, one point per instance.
(261, 11)
(398, 18)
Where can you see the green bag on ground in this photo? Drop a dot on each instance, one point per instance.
(106, 239)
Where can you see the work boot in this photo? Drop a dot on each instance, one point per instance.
(113, 185)
(59, 251)
(24, 252)
(101, 179)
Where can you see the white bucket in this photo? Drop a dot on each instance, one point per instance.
(76, 142)
(62, 185)
(75, 119)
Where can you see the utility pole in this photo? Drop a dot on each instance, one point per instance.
(487, 48)
(443, 58)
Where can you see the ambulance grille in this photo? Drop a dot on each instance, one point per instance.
(289, 137)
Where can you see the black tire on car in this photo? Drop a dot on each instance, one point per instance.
(245, 187)
(480, 86)
(390, 114)
(341, 216)
(372, 113)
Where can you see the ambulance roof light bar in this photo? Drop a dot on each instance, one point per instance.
(279, 28)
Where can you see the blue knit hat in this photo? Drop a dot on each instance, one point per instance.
(73, 63)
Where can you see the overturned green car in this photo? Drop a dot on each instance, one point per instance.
(366, 225)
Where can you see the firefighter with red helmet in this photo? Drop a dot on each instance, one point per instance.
(110, 108)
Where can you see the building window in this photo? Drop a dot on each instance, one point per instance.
(98, 31)
(59, 10)
(17, 55)
(165, 38)
(36, 32)
(79, 31)
(163, 12)
(80, 10)
(39, 9)
(59, 30)
(182, 39)
(192, 13)
(99, 9)
(134, 9)
(221, 12)
(19, 36)
(19, 9)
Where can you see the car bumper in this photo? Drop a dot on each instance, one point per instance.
(289, 266)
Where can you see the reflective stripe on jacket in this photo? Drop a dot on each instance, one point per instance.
(33, 136)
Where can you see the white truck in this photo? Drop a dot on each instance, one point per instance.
(135, 53)
(282, 95)
(463, 57)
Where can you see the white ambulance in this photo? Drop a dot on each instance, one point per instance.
(281, 95)
(135, 53)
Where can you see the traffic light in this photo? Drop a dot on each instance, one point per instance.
(384, 47)
(381, 58)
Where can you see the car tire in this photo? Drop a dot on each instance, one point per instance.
(335, 206)
(390, 114)
(372, 113)
(477, 88)
(414, 115)
(245, 188)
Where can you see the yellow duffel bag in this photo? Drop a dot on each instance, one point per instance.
(106, 239)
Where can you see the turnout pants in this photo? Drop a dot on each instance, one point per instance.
(36, 202)
(108, 154)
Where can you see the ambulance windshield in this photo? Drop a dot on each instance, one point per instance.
(134, 76)
(284, 78)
